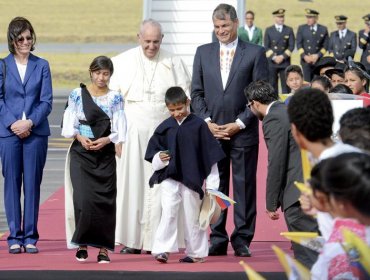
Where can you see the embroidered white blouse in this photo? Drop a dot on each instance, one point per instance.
(111, 103)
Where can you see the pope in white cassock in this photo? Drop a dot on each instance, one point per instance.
(142, 75)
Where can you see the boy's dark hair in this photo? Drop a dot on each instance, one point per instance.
(261, 91)
(311, 112)
(293, 69)
(349, 169)
(101, 63)
(355, 128)
(175, 95)
(16, 27)
(323, 81)
(341, 88)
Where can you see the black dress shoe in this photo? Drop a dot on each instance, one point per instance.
(243, 251)
(128, 250)
(217, 250)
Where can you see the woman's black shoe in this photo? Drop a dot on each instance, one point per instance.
(81, 255)
(103, 257)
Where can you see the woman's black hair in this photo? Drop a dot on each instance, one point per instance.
(101, 63)
(16, 27)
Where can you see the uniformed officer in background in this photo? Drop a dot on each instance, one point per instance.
(343, 42)
(279, 43)
(364, 43)
(312, 43)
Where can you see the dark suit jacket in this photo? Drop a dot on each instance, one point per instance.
(312, 43)
(279, 43)
(209, 99)
(256, 38)
(284, 159)
(338, 47)
(33, 96)
(364, 44)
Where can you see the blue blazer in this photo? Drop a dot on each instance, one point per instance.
(209, 99)
(33, 96)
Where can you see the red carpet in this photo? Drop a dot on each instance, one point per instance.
(54, 255)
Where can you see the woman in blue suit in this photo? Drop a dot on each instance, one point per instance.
(25, 103)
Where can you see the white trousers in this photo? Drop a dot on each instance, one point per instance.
(173, 196)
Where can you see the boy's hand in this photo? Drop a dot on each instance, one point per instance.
(164, 156)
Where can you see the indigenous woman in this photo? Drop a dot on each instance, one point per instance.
(96, 120)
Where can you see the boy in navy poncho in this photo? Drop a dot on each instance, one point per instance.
(184, 155)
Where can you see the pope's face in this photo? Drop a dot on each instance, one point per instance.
(226, 30)
(150, 39)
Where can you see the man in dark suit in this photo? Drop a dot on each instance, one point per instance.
(279, 44)
(364, 43)
(343, 42)
(221, 71)
(312, 43)
(249, 32)
(284, 164)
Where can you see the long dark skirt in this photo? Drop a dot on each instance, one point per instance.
(93, 176)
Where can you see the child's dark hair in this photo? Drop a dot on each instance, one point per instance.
(175, 95)
(355, 128)
(293, 69)
(323, 81)
(341, 88)
(347, 178)
(311, 112)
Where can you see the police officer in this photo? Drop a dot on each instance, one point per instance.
(312, 43)
(364, 43)
(343, 42)
(279, 43)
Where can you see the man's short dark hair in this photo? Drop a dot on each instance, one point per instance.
(355, 128)
(311, 112)
(175, 95)
(261, 91)
(222, 10)
(250, 12)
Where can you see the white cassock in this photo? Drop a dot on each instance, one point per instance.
(143, 83)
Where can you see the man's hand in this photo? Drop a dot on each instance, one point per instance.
(230, 128)
(279, 59)
(314, 58)
(368, 59)
(21, 126)
(217, 132)
(274, 215)
(307, 59)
